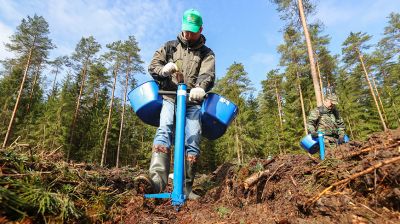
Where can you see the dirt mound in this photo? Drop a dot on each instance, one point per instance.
(357, 183)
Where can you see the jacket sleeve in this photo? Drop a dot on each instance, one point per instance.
(340, 126)
(312, 120)
(206, 76)
(157, 63)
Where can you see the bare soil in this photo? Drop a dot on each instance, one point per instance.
(288, 187)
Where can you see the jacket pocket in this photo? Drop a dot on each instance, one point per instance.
(193, 73)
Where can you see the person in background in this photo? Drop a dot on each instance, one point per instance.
(187, 60)
(326, 119)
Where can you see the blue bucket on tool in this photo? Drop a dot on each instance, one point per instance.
(217, 113)
(310, 144)
(146, 102)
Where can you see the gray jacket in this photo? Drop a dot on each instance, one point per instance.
(195, 61)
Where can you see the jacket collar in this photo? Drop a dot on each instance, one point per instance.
(192, 46)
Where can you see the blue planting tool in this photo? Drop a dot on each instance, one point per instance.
(321, 145)
(177, 196)
(217, 113)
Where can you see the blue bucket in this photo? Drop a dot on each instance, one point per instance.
(346, 138)
(310, 144)
(217, 113)
(146, 102)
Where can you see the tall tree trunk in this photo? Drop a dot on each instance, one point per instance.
(109, 118)
(78, 101)
(310, 51)
(394, 106)
(351, 130)
(278, 101)
(379, 98)
(303, 111)
(96, 91)
(53, 88)
(371, 89)
(121, 126)
(237, 142)
(18, 98)
(320, 81)
(28, 108)
(328, 86)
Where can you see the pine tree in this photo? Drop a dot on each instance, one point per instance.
(294, 11)
(114, 58)
(57, 66)
(297, 86)
(83, 56)
(387, 65)
(271, 113)
(131, 63)
(352, 51)
(234, 85)
(30, 40)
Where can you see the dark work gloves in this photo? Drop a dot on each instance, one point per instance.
(341, 140)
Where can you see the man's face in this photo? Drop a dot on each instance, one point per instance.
(329, 104)
(192, 37)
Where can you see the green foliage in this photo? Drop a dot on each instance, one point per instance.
(31, 34)
(234, 86)
(222, 211)
(289, 10)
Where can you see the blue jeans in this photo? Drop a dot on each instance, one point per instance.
(165, 132)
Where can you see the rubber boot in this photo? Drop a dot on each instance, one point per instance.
(159, 170)
(143, 184)
(157, 179)
(190, 170)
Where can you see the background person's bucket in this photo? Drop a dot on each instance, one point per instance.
(146, 102)
(310, 144)
(346, 139)
(217, 113)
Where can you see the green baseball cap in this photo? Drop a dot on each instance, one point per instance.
(191, 21)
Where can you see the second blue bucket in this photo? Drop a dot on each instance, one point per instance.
(217, 113)
(146, 102)
(310, 144)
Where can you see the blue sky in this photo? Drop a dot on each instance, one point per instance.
(245, 31)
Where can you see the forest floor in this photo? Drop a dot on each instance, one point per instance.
(358, 182)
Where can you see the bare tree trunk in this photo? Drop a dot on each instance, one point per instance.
(53, 88)
(237, 142)
(28, 108)
(18, 98)
(121, 126)
(96, 92)
(351, 130)
(379, 97)
(372, 91)
(394, 107)
(78, 101)
(303, 111)
(310, 55)
(328, 86)
(278, 101)
(320, 81)
(241, 152)
(109, 118)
